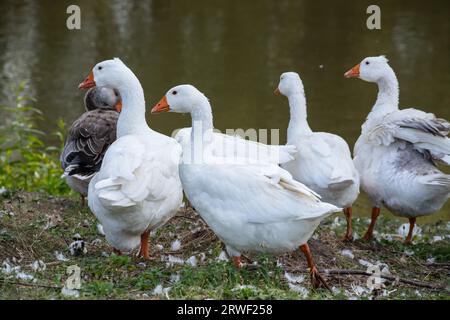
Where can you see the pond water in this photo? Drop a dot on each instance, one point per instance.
(234, 51)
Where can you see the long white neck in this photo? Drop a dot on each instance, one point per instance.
(202, 129)
(202, 119)
(388, 93)
(298, 123)
(132, 117)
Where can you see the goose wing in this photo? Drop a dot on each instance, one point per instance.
(330, 164)
(258, 194)
(427, 133)
(89, 138)
(134, 170)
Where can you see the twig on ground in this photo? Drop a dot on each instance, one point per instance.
(29, 284)
(438, 264)
(416, 283)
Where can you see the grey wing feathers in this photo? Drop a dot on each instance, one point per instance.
(430, 124)
(427, 133)
(89, 138)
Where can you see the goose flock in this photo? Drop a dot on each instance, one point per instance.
(254, 197)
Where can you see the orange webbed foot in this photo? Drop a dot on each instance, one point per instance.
(317, 280)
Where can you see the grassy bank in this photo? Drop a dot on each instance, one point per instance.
(188, 261)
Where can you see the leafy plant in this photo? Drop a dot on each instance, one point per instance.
(26, 163)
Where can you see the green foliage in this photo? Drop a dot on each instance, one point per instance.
(26, 163)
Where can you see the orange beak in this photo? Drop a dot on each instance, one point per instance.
(88, 82)
(353, 72)
(119, 106)
(161, 106)
(277, 92)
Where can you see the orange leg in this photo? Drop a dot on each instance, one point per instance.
(412, 222)
(144, 252)
(348, 216)
(237, 262)
(316, 278)
(375, 214)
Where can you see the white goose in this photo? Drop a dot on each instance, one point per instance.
(323, 161)
(137, 188)
(251, 206)
(396, 152)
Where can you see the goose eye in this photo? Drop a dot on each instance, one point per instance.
(367, 62)
(174, 92)
(100, 67)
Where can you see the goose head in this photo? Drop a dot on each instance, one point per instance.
(110, 73)
(102, 98)
(181, 99)
(290, 83)
(370, 69)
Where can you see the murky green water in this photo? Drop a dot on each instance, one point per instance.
(234, 51)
